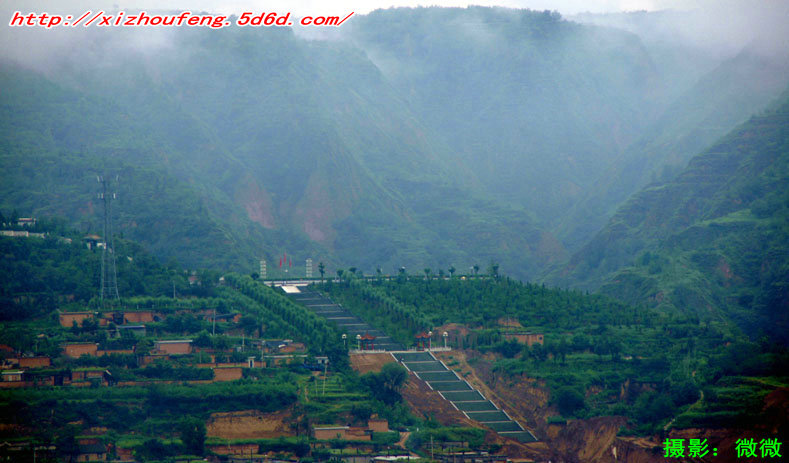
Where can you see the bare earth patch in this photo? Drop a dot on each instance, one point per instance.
(429, 403)
(365, 363)
(248, 424)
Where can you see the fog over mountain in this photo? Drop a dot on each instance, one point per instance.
(416, 137)
(530, 234)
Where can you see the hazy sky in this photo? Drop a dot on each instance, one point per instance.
(364, 6)
(722, 25)
(361, 6)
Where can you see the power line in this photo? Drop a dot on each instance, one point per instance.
(109, 278)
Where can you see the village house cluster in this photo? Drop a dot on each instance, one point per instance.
(26, 369)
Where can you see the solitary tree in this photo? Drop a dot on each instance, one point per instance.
(386, 385)
(568, 400)
(452, 271)
(476, 269)
(66, 441)
(538, 352)
(493, 270)
(561, 350)
(193, 435)
(394, 376)
(322, 270)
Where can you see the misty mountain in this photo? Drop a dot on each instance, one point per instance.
(712, 241)
(536, 106)
(720, 100)
(270, 143)
(563, 119)
(56, 141)
(423, 137)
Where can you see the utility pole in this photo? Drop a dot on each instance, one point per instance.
(325, 370)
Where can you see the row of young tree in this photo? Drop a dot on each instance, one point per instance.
(372, 302)
(402, 273)
(270, 323)
(419, 305)
(320, 336)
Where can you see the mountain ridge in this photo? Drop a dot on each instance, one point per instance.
(710, 241)
(415, 138)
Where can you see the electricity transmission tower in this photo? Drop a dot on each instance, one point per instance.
(109, 280)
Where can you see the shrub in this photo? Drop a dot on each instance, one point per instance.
(569, 401)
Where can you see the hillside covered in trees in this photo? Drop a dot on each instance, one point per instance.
(713, 241)
(594, 348)
(412, 137)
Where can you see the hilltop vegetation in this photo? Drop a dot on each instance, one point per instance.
(412, 305)
(41, 275)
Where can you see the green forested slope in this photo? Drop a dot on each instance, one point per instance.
(247, 144)
(721, 99)
(55, 141)
(535, 105)
(420, 137)
(239, 143)
(40, 275)
(714, 241)
(597, 353)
